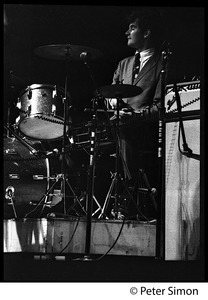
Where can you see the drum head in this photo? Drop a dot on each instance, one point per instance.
(37, 86)
(42, 127)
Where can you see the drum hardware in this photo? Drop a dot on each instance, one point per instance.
(84, 56)
(99, 98)
(79, 136)
(9, 195)
(21, 140)
(145, 195)
(117, 91)
(63, 51)
(82, 198)
(57, 196)
(27, 173)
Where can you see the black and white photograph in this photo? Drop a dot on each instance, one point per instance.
(103, 146)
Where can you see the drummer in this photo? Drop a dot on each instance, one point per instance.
(139, 142)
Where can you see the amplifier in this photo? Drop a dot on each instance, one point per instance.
(189, 93)
(182, 192)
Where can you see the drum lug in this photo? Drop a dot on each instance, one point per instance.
(28, 110)
(54, 94)
(15, 126)
(53, 110)
(10, 152)
(14, 176)
(38, 177)
(29, 95)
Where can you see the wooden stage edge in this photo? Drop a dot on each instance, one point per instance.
(63, 236)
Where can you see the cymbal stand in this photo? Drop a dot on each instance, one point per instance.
(66, 98)
(62, 177)
(116, 176)
(91, 169)
(65, 102)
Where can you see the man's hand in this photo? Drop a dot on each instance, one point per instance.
(113, 103)
(125, 113)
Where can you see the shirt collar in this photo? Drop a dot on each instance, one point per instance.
(146, 53)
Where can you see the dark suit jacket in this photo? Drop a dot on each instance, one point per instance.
(137, 142)
(148, 80)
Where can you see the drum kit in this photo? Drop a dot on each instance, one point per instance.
(44, 117)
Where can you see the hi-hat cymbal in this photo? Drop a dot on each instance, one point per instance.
(66, 52)
(120, 90)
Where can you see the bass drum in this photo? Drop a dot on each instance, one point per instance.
(41, 112)
(27, 175)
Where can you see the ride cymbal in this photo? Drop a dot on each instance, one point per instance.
(66, 52)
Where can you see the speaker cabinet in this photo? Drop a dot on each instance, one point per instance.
(182, 192)
(182, 173)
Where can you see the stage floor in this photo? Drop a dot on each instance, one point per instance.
(41, 250)
(61, 236)
(23, 267)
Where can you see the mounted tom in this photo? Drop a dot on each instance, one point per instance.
(41, 112)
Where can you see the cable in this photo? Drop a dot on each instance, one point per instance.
(179, 136)
(71, 237)
(113, 243)
(43, 197)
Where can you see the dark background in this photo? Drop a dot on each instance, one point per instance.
(27, 27)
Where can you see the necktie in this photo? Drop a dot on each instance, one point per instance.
(136, 65)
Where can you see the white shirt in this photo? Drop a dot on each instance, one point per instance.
(145, 56)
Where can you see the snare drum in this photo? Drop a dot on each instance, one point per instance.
(41, 112)
(80, 136)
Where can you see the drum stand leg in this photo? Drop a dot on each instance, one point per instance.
(106, 202)
(76, 198)
(84, 195)
(47, 194)
(13, 207)
(10, 198)
(147, 190)
(116, 175)
(113, 184)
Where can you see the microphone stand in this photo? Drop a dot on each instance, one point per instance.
(63, 176)
(90, 184)
(91, 169)
(160, 229)
(65, 101)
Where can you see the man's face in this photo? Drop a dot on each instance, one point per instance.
(135, 36)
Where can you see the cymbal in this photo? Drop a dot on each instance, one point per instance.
(66, 52)
(120, 90)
